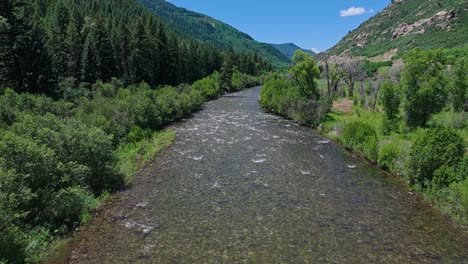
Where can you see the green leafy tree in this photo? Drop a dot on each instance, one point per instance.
(305, 72)
(459, 85)
(424, 86)
(390, 98)
(436, 149)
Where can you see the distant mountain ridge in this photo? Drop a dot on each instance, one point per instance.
(406, 24)
(288, 49)
(212, 31)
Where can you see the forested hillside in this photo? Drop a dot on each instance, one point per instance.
(212, 31)
(407, 24)
(85, 91)
(42, 42)
(288, 49)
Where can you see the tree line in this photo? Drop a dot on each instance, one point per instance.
(42, 42)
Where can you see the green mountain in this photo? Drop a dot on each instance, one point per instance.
(406, 24)
(212, 31)
(288, 49)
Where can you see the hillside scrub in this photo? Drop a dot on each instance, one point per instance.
(58, 157)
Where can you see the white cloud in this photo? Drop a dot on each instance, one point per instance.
(315, 50)
(354, 11)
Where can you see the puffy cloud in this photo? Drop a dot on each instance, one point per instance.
(354, 11)
(315, 50)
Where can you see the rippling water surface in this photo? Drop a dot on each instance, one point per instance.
(243, 186)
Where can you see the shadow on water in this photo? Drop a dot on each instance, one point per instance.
(240, 185)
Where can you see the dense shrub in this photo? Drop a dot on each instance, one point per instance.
(391, 156)
(436, 149)
(362, 138)
(242, 80)
(281, 96)
(209, 87)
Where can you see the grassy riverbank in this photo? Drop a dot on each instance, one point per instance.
(392, 152)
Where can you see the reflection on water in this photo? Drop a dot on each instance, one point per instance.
(243, 186)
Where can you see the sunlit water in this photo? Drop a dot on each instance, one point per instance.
(243, 186)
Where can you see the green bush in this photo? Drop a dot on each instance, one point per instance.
(70, 207)
(282, 97)
(446, 175)
(436, 148)
(458, 199)
(391, 156)
(209, 87)
(362, 138)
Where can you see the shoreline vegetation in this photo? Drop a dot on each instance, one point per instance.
(86, 89)
(409, 119)
(62, 158)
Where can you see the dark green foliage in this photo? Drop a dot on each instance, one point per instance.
(424, 86)
(362, 138)
(209, 86)
(371, 68)
(97, 40)
(459, 85)
(390, 97)
(214, 32)
(431, 156)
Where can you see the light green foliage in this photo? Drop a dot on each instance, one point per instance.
(306, 72)
(424, 86)
(436, 149)
(141, 149)
(362, 138)
(458, 198)
(209, 86)
(392, 155)
(214, 32)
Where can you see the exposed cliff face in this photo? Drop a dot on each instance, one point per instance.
(406, 24)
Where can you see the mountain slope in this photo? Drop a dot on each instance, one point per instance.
(210, 30)
(406, 24)
(288, 49)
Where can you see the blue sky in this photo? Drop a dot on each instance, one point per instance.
(308, 23)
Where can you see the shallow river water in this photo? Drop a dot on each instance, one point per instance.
(243, 186)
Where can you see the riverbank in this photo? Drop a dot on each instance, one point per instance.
(62, 158)
(391, 152)
(241, 185)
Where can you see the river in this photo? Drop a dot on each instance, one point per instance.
(243, 186)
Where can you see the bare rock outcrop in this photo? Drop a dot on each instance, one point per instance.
(404, 29)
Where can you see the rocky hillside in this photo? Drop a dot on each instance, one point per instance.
(406, 24)
(212, 31)
(288, 49)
